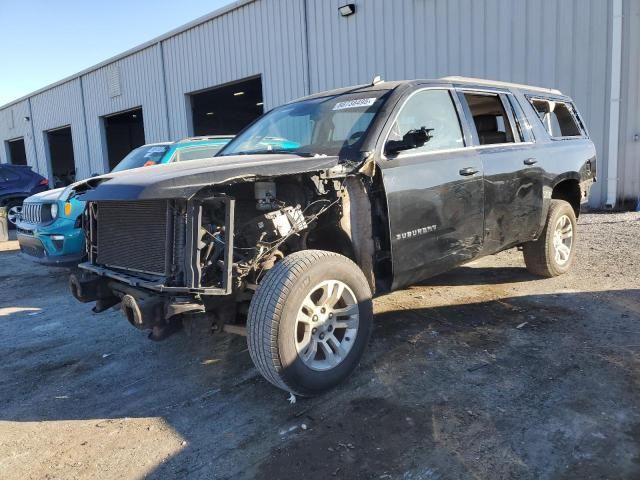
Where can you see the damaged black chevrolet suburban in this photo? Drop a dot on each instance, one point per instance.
(326, 201)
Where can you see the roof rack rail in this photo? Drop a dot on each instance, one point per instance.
(495, 83)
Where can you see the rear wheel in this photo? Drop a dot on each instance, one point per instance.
(553, 253)
(309, 321)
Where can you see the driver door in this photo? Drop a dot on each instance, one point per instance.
(434, 192)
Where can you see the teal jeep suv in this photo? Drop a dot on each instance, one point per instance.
(49, 224)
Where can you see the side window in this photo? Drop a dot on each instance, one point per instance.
(490, 118)
(558, 118)
(434, 110)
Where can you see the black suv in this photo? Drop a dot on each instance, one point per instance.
(325, 201)
(18, 182)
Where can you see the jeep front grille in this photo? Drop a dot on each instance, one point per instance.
(36, 213)
(134, 236)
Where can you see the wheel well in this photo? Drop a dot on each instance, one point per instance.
(332, 238)
(569, 191)
(6, 200)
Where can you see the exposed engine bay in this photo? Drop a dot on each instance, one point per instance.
(215, 247)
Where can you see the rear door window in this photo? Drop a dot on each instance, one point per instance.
(558, 118)
(493, 124)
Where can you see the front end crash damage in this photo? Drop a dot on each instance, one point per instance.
(164, 261)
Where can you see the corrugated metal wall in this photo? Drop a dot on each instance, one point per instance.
(139, 81)
(255, 39)
(13, 124)
(553, 43)
(629, 145)
(58, 107)
(557, 43)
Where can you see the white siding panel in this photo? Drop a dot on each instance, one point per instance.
(261, 38)
(58, 107)
(13, 125)
(140, 78)
(629, 154)
(553, 43)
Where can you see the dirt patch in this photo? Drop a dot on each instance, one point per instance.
(484, 372)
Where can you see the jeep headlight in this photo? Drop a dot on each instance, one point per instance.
(54, 210)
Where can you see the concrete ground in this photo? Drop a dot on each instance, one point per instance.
(482, 373)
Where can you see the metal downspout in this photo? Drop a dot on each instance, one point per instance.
(614, 105)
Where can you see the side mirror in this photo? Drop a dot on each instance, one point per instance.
(412, 139)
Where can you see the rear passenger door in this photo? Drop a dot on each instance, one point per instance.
(434, 192)
(513, 178)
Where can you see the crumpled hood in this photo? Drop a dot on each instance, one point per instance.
(184, 179)
(48, 196)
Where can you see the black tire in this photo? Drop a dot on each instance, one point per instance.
(271, 322)
(540, 255)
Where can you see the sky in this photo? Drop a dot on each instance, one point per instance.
(43, 41)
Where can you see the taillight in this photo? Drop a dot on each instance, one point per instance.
(44, 182)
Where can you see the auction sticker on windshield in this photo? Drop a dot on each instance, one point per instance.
(360, 102)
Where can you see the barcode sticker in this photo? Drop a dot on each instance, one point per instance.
(360, 102)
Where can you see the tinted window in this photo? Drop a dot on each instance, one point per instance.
(558, 118)
(431, 109)
(490, 118)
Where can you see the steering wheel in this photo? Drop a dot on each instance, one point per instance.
(354, 137)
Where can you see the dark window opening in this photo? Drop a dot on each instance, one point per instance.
(63, 167)
(558, 118)
(227, 110)
(490, 118)
(17, 152)
(123, 132)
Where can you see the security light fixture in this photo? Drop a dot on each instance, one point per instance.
(348, 9)
(237, 94)
(26, 119)
(209, 114)
(259, 104)
(133, 115)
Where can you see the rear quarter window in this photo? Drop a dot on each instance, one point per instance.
(559, 119)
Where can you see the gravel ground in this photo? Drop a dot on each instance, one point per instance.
(482, 373)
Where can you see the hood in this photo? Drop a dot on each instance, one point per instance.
(185, 179)
(46, 196)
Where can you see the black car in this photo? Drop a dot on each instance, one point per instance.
(18, 182)
(379, 186)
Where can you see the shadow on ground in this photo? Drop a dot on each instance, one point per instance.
(520, 386)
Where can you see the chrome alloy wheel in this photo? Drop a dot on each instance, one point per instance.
(327, 325)
(14, 214)
(563, 239)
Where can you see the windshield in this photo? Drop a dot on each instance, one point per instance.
(142, 157)
(334, 125)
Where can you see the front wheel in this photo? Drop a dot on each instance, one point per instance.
(309, 321)
(553, 253)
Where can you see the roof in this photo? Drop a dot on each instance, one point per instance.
(171, 33)
(205, 138)
(391, 85)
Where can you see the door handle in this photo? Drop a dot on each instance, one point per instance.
(530, 161)
(467, 171)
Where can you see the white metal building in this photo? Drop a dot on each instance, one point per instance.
(262, 53)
